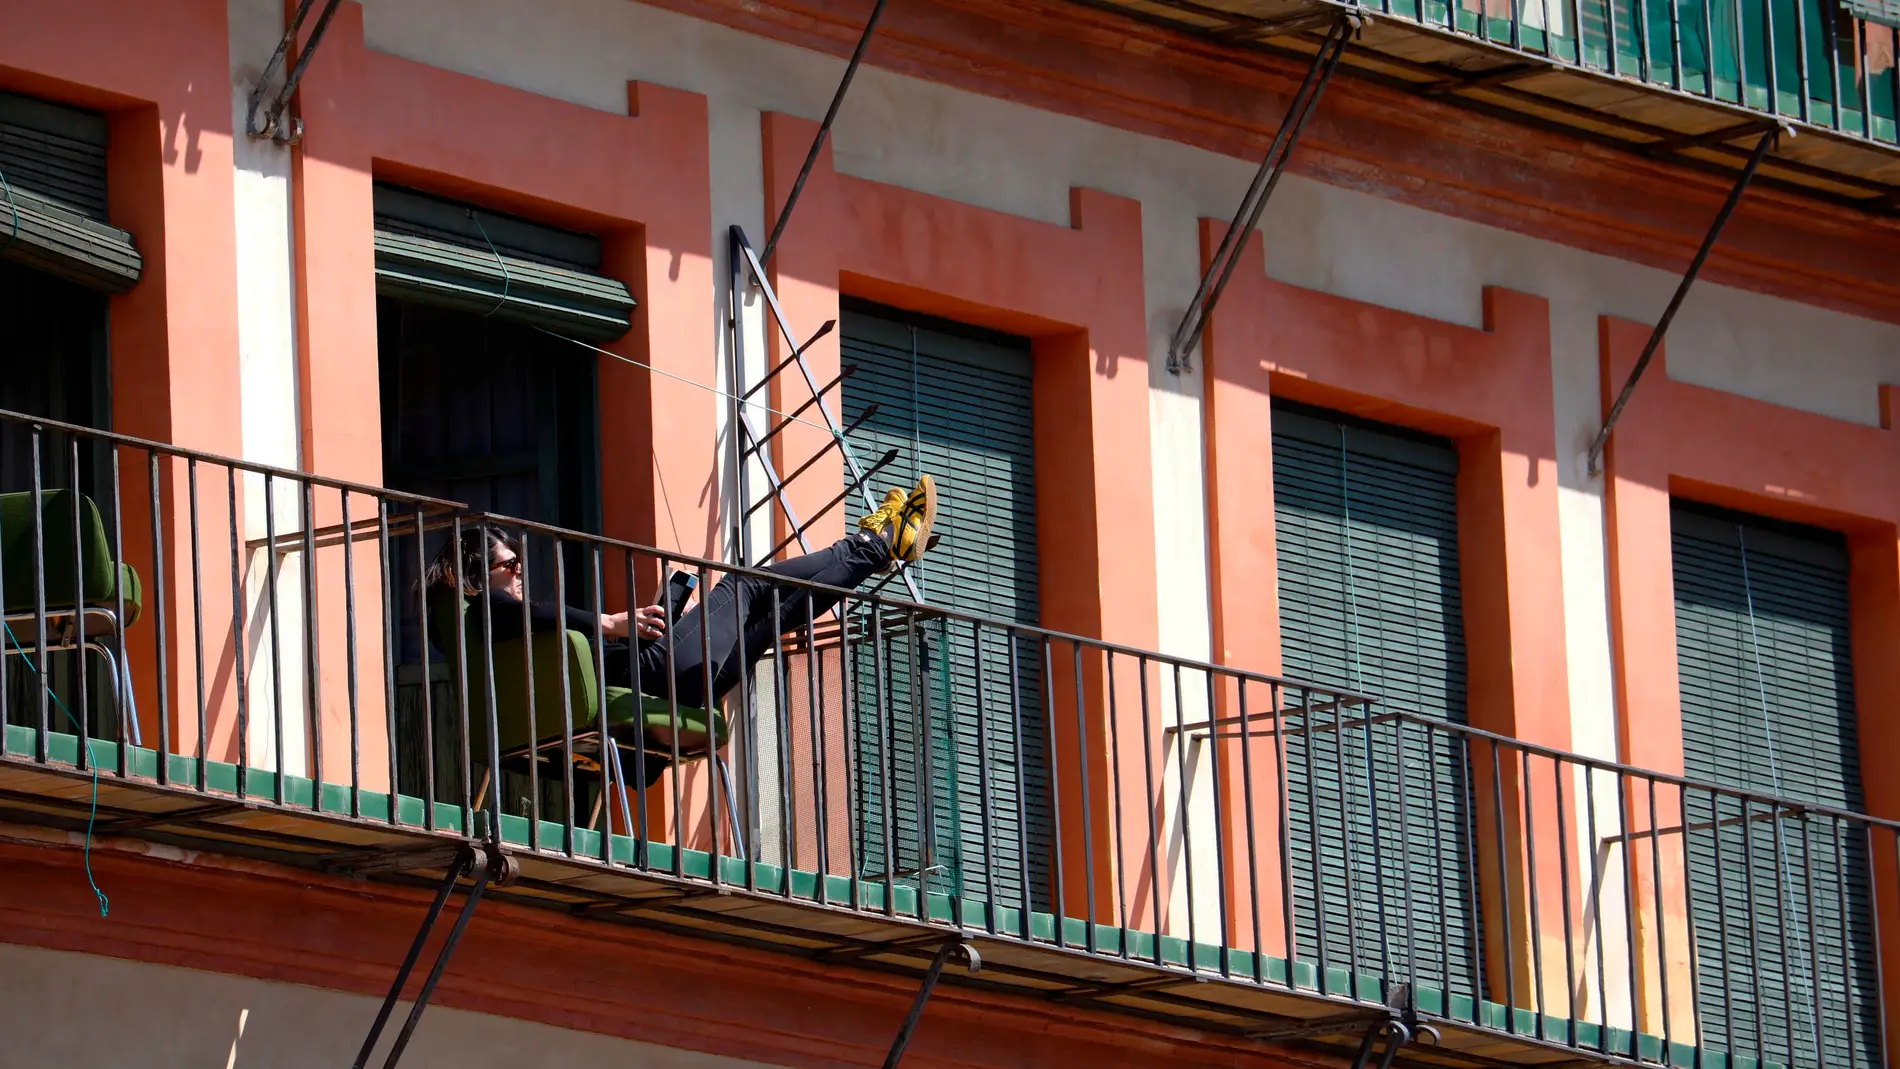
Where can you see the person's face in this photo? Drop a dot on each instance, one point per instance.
(504, 570)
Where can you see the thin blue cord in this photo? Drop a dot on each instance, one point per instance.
(93, 817)
(506, 280)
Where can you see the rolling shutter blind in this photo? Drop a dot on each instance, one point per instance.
(1773, 870)
(435, 252)
(1386, 621)
(53, 205)
(960, 409)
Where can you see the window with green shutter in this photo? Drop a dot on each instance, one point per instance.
(1367, 540)
(956, 403)
(1780, 900)
(53, 196)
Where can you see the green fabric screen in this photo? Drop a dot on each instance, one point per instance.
(439, 253)
(957, 405)
(1780, 904)
(53, 200)
(1385, 620)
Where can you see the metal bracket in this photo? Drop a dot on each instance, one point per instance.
(960, 947)
(271, 123)
(1769, 139)
(1305, 101)
(485, 865)
(824, 128)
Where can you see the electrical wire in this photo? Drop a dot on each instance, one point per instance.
(714, 390)
(14, 207)
(86, 740)
(506, 279)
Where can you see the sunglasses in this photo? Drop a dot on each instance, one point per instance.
(512, 566)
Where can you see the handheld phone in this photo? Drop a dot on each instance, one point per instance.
(679, 590)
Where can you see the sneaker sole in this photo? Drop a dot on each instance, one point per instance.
(921, 541)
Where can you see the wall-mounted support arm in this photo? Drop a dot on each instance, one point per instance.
(1768, 140)
(954, 946)
(824, 129)
(270, 122)
(1221, 267)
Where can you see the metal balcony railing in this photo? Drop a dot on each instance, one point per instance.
(253, 666)
(1696, 82)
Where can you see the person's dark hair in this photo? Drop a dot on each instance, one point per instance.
(441, 571)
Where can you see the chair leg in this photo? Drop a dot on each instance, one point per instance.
(732, 809)
(620, 786)
(481, 792)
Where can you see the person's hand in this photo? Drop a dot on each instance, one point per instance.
(650, 622)
(613, 624)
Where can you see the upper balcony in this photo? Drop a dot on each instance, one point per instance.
(260, 669)
(1687, 81)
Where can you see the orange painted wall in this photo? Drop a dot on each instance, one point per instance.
(1724, 449)
(1490, 391)
(639, 180)
(1077, 293)
(161, 73)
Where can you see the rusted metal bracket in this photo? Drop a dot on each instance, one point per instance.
(271, 123)
(1769, 139)
(1221, 267)
(958, 947)
(484, 864)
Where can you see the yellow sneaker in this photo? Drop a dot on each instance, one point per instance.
(910, 535)
(893, 504)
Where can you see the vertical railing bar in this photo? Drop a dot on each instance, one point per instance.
(1022, 785)
(1708, 48)
(641, 814)
(1253, 846)
(1831, 44)
(124, 683)
(749, 732)
(428, 671)
(916, 664)
(44, 691)
(1576, 30)
(1182, 814)
(1351, 893)
(1741, 55)
(1504, 891)
(1221, 883)
(1285, 824)
(276, 646)
(1088, 826)
(1312, 827)
(886, 762)
(197, 608)
(715, 867)
(1468, 829)
(77, 667)
(609, 757)
(571, 831)
(162, 636)
(673, 713)
(349, 652)
(1801, 58)
(986, 810)
(1641, 30)
(1696, 1023)
(1380, 892)
(1405, 855)
(1814, 942)
(5, 642)
(821, 780)
(1781, 924)
(523, 547)
(1662, 915)
(1115, 793)
(1721, 920)
(390, 655)
(1849, 996)
(1864, 87)
(1757, 1009)
(1873, 917)
(1438, 865)
(1615, 58)
(1675, 43)
(1565, 843)
(1151, 801)
(1596, 905)
(1773, 71)
(1629, 901)
(850, 680)
(313, 675)
(491, 713)
(1051, 753)
(239, 641)
(782, 722)
(465, 720)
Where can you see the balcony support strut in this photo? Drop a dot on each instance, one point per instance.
(484, 865)
(1768, 141)
(271, 122)
(1305, 101)
(958, 947)
(818, 140)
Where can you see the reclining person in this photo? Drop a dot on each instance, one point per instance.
(729, 630)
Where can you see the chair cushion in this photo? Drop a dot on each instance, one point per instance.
(695, 725)
(63, 557)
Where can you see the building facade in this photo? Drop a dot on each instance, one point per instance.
(1312, 681)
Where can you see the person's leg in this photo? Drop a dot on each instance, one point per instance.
(733, 626)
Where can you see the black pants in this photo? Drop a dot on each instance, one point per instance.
(733, 626)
